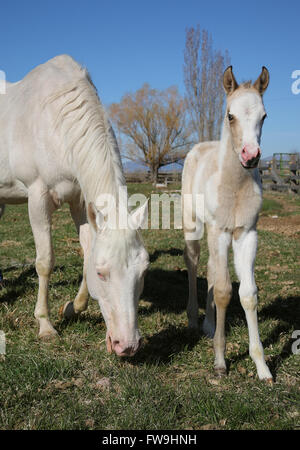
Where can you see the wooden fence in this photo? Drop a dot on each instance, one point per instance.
(282, 173)
(164, 178)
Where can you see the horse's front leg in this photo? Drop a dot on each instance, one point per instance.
(244, 257)
(218, 243)
(72, 308)
(40, 208)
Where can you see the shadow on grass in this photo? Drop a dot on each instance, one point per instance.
(162, 346)
(168, 291)
(93, 320)
(287, 311)
(171, 251)
(15, 287)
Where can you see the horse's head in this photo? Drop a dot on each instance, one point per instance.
(115, 269)
(245, 114)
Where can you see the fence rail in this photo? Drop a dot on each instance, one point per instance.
(282, 173)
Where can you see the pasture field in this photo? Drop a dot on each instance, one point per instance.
(72, 383)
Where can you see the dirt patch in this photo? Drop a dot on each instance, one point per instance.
(289, 225)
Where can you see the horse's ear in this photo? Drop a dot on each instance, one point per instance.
(138, 217)
(262, 81)
(95, 217)
(229, 82)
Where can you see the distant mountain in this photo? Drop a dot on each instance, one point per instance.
(131, 166)
(285, 155)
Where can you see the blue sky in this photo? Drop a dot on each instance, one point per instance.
(126, 43)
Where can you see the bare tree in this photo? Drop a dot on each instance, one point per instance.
(152, 127)
(203, 74)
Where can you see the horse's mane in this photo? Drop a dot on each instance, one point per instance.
(88, 141)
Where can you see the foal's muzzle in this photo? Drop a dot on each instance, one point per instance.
(250, 157)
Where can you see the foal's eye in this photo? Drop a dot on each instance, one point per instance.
(230, 117)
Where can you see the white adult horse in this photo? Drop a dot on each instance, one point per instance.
(56, 145)
(225, 174)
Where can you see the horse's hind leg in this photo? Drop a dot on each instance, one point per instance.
(191, 257)
(40, 208)
(80, 304)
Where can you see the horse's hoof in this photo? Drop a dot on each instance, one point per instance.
(48, 336)
(67, 311)
(269, 381)
(220, 372)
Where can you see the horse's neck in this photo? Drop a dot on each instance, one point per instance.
(105, 177)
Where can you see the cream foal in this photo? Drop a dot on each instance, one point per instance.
(225, 174)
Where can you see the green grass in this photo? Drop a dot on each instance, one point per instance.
(271, 206)
(72, 383)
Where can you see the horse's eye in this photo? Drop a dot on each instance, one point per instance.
(230, 117)
(102, 276)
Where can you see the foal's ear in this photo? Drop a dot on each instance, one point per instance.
(229, 82)
(262, 81)
(95, 217)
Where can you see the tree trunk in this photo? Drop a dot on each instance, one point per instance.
(154, 174)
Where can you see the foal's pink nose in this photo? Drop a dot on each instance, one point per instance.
(250, 152)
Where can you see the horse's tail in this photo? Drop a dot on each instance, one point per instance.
(2, 208)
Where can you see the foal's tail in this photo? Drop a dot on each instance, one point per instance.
(2, 208)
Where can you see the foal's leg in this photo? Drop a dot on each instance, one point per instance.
(71, 309)
(209, 324)
(219, 243)
(191, 257)
(244, 256)
(40, 208)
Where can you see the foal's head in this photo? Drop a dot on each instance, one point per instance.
(245, 115)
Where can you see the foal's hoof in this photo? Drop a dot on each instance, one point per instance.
(67, 311)
(268, 381)
(220, 372)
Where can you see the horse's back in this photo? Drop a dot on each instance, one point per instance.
(28, 145)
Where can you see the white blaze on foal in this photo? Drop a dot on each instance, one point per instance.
(226, 174)
(57, 145)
